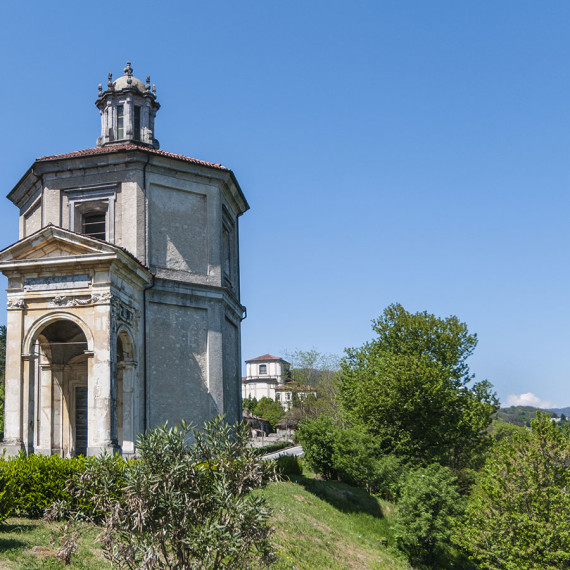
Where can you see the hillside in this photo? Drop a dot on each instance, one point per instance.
(329, 525)
(318, 525)
(521, 415)
(559, 411)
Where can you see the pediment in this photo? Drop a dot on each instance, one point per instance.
(54, 242)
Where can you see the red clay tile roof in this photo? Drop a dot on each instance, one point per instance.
(265, 357)
(121, 147)
(294, 387)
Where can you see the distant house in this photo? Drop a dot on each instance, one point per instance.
(263, 375)
(259, 426)
(285, 394)
(270, 377)
(286, 427)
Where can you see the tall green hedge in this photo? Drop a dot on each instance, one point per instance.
(34, 482)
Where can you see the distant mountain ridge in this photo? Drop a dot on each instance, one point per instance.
(521, 415)
(565, 411)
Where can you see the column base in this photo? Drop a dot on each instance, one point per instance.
(11, 447)
(110, 449)
(43, 451)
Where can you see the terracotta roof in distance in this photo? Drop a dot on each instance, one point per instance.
(265, 357)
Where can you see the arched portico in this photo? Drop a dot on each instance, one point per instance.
(57, 381)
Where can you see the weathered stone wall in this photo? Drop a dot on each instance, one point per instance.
(177, 361)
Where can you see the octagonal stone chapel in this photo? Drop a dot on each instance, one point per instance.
(123, 288)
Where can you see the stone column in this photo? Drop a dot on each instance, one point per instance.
(57, 401)
(13, 436)
(45, 407)
(28, 365)
(129, 434)
(105, 123)
(100, 434)
(146, 133)
(129, 122)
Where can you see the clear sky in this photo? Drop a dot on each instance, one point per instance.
(391, 151)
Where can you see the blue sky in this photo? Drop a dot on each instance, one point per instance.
(391, 151)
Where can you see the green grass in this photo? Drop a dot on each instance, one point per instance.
(329, 525)
(318, 524)
(25, 544)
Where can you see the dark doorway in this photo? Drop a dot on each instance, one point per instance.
(81, 420)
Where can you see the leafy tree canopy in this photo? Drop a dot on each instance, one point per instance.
(249, 404)
(319, 370)
(269, 410)
(426, 510)
(311, 367)
(409, 388)
(517, 516)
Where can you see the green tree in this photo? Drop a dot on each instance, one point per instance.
(269, 410)
(310, 367)
(410, 388)
(429, 504)
(318, 438)
(320, 371)
(501, 430)
(249, 404)
(517, 516)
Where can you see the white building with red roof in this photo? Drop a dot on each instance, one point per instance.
(269, 376)
(263, 375)
(124, 305)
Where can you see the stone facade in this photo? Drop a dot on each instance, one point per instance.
(123, 298)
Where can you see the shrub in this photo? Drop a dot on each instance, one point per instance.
(351, 455)
(388, 475)
(318, 438)
(278, 446)
(289, 465)
(93, 491)
(269, 410)
(517, 515)
(36, 481)
(427, 509)
(6, 500)
(185, 505)
(354, 458)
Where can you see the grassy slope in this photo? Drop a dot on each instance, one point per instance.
(318, 524)
(326, 524)
(25, 545)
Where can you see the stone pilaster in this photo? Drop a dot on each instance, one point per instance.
(13, 420)
(102, 436)
(129, 433)
(45, 410)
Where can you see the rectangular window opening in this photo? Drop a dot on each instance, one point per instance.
(120, 122)
(137, 123)
(94, 225)
(263, 368)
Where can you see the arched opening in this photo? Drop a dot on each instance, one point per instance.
(61, 410)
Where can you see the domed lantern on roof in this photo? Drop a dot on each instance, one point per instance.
(128, 108)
